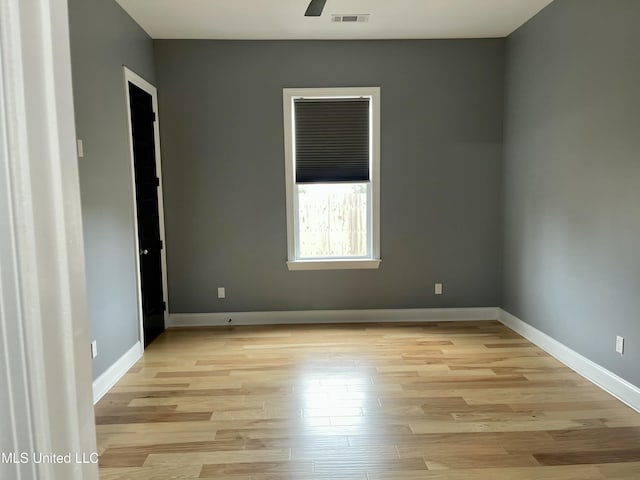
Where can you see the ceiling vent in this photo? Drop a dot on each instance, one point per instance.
(350, 18)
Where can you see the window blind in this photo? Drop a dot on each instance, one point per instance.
(332, 141)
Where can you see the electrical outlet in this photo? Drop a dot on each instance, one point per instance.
(80, 145)
(620, 344)
(221, 292)
(94, 349)
(438, 289)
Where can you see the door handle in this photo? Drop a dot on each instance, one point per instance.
(144, 252)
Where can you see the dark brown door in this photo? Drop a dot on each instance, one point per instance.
(144, 157)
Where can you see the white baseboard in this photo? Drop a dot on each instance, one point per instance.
(331, 316)
(608, 381)
(115, 372)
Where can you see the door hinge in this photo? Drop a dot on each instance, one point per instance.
(164, 306)
(156, 182)
(154, 116)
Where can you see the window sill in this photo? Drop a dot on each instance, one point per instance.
(361, 264)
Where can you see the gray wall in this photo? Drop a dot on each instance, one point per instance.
(103, 39)
(223, 166)
(572, 178)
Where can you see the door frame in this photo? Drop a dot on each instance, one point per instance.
(138, 81)
(44, 332)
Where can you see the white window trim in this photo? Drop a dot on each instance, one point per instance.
(288, 94)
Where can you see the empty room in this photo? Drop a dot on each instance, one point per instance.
(320, 239)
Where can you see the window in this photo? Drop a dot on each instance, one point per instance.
(332, 145)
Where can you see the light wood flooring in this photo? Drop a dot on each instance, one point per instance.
(445, 401)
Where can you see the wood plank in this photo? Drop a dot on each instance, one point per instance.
(590, 457)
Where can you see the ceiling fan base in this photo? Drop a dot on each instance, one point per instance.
(315, 8)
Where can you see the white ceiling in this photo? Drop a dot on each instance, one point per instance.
(284, 19)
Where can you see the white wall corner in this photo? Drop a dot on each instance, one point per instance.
(115, 372)
(331, 316)
(600, 376)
